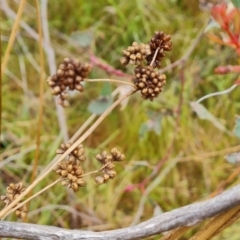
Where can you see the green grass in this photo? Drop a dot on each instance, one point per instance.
(115, 25)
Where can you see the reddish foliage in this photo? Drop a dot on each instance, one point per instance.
(229, 21)
(237, 82)
(227, 69)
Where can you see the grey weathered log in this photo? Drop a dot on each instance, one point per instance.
(184, 216)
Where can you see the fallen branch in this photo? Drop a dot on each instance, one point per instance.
(184, 216)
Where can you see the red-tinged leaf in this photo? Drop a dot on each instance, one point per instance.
(227, 69)
(216, 39)
(235, 69)
(219, 13)
(222, 70)
(236, 23)
(238, 82)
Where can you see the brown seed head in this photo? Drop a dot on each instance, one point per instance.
(135, 54)
(99, 180)
(162, 43)
(70, 170)
(71, 72)
(13, 191)
(117, 155)
(149, 82)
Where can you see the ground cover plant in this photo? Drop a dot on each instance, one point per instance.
(144, 118)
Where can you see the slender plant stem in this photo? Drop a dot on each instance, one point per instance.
(49, 186)
(154, 57)
(217, 93)
(41, 92)
(86, 123)
(83, 127)
(48, 169)
(96, 171)
(12, 36)
(109, 80)
(50, 55)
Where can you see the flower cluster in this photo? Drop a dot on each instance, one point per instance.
(147, 57)
(76, 154)
(135, 54)
(107, 160)
(149, 82)
(12, 192)
(71, 72)
(159, 44)
(70, 170)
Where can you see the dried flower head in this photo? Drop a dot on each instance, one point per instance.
(77, 153)
(135, 54)
(107, 160)
(71, 172)
(12, 192)
(161, 42)
(117, 155)
(71, 72)
(149, 81)
(104, 157)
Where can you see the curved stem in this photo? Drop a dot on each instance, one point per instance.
(48, 169)
(217, 93)
(109, 80)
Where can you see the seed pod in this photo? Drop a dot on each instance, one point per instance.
(81, 182)
(106, 177)
(74, 186)
(111, 173)
(99, 180)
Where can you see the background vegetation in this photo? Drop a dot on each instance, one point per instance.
(147, 132)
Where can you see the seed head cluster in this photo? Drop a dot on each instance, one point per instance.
(70, 170)
(135, 54)
(77, 153)
(161, 43)
(149, 81)
(107, 160)
(147, 57)
(12, 192)
(71, 72)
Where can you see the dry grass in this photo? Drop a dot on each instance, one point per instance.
(195, 167)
